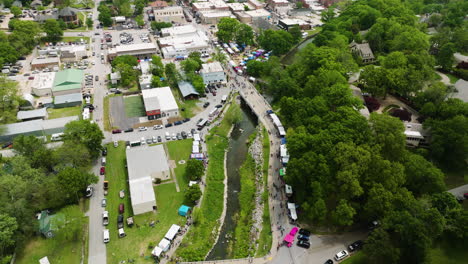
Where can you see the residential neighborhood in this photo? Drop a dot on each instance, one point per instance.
(276, 131)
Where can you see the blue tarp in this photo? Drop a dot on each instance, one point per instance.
(283, 141)
(183, 210)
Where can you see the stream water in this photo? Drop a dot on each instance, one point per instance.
(289, 58)
(237, 153)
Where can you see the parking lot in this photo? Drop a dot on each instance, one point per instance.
(130, 36)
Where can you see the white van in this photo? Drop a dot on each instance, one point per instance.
(168, 136)
(103, 161)
(121, 232)
(56, 137)
(106, 235)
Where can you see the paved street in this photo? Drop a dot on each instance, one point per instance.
(459, 191)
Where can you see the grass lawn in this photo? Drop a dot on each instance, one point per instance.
(455, 178)
(191, 108)
(73, 39)
(453, 78)
(58, 251)
(180, 150)
(134, 106)
(358, 258)
(139, 237)
(265, 239)
(447, 254)
(63, 112)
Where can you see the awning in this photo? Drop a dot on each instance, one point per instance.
(172, 232)
(157, 251)
(164, 244)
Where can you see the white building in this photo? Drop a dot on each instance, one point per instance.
(259, 14)
(43, 83)
(181, 41)
(144, 165)
(415, 134)
(159, 102)
(140, 50)
(145, 81)
(169, 14)
(73, 53)
(209, 17)
(279, 6)
(213, 73)
(211, 5)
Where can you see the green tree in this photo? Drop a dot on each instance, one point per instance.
(243, 34)
(218, 56)
(319, 211)
(255, 68)
(139, 6)
(160, 25)
(422, 177)
(227, 29)
(105, 16)
(444, 202)
(74, 182)
(445, 56)
(296, 33)
(157, 65)
(139, 20)
(328, 14)
(278, 41)
(344, 214)
(74, 155)
(172, 75)
(190, 66)
(234, 115)
(374, 79)
(388, 133)
(89, 22)
(128, 75)
(8, 228)
(196, 56)
(11, 99)
(156, 82)
(86, 133)
(125, 59)
(194, 169)
(16, 11)
(379, 247)
(88, 3)
(299, 5)
(192, 194)
(52, 29)
(197, 82)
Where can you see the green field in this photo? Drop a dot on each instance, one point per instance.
(190, 106)
(73, 39)
(63, 112)
(168, 200)
(134, 106)
(58, 251)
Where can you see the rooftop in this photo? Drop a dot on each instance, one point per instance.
(133, 47)
(44, 80)
(36, 125)
(165, 100)
(158, 4)
(38, 113)
(68, 98)
(45, 61)
(258, 13)
(67, 80)
(186, 89)
(180, 30)
(212, 67)
(216, 14)
(172, 9)
(143, 162)
(141, 191)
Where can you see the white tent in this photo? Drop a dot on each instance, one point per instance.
(195, 149)
(281, 131)
(292, 210)
(288, 190)
(44, 260)
(196, 143)
(192, 183)
(283, 151)
(164, 244)
(196, 137)
(170, 235)
(157, 251)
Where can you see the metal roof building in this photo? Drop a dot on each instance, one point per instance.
(68, 100)
(36, 127)
(40, 113)
(67, 82)
(159, 102)
(187, 89)
(144, 165)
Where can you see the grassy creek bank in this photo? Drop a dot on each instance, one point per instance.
(250, 218)
(206, 219)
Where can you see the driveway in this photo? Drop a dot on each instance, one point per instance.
(118, 117)
(459, 191)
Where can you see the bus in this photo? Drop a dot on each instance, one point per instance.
(202, 124)
(213, 112)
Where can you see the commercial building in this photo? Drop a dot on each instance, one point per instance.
(279, 6)
(144, 166)
(213, 73)
(415, 134)
(159, 102)
(209, 17)
(171, 14)
(68, 100)
(187, 90)
(256, 4)
(40, 64)
(40, 113)
(363, 51)
(158, 4)
(68, 82)
(181, 41)
(35, 127)
(243, 17)
(43, 83)
(288, 23)
(238, 7)
(259, 14)
(145, 81)
(211, 5)
(73, 53)
(140, 50)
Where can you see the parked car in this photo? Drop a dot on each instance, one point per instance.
(303, 244)
(89, 191)
(103, 170)
(174, 137)
(149, 141)
(128, 130)
(142, 129)
(357, 245)
(106, 236)
(205, 105)
(341, 255)
(303, 237)
(304, 232)
(104, 202)
(7, 145)
(186, 120)
(184, 134)
(168, 124)
(465, 195)
(116, 143)
(121, 233)
(104, 151)
(168, 136)
(219, 106)
(155, 140)
(157, 127)
(105, 218)
(120, 221)
(329, 261)
(121, 208)
(176, 123)
(179, 136)
(116, 131)
(159, 139)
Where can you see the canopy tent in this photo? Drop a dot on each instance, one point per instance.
(44, 260)
(196, 143)
(170, 235)
(281, 131)
(198, 156)
(292, 211)
(283, 141)
(192, 183)
(195, 149)
(184, 210)
(164, 244)
(157, 251)
(196, 137)
(282, 172)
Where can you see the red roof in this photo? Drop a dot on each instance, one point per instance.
(158, 4)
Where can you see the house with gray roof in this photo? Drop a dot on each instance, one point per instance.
(364, 51)
(187, 90)
(40, 113)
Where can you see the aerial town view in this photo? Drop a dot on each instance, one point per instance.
(234, 131)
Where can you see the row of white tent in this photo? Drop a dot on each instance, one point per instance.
(278, 124)
(165, 243)
(196, 144)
